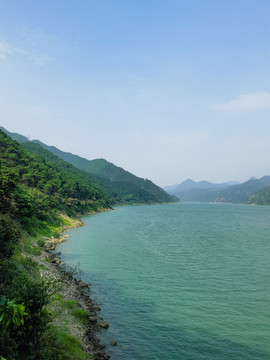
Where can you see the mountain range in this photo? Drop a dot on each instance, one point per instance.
(190, 184)
(121, 186)
(233, 192)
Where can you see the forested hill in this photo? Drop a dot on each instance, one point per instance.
(35, 197)
(127, 187)
(33, 188)
(121, 186)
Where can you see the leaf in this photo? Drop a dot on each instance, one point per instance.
(3, 300)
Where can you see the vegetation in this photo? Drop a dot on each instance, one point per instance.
(39, 187)
(121, 186)
(34, 195)
(262, 197)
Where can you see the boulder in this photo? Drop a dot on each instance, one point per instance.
(104, 324)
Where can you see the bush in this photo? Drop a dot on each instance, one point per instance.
(9, 236)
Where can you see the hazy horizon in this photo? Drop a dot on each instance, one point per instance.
(166, 90)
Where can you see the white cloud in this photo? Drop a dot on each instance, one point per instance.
(8, 49)
(245, 103)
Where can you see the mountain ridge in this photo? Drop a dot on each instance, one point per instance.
(189, 184)
(236, 193)
(121, 185)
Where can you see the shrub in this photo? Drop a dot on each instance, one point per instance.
(9, 236)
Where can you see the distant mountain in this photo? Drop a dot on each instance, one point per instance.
(261, 197)
(122, 186)
(190, 184)
(204, 191)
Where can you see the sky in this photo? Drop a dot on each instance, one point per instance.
(166, 89)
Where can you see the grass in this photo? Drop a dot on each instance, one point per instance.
(80, 315)
(70, 304)
(41, 242)
(31, 245)
(71, 345)
(44, 268)
(65, 313)
(65, 221)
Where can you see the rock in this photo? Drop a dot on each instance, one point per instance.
(104, 324)
(99, 355)
(56, 261)
(93, 319)
(113, 343)
(97, 308)
(83, 284)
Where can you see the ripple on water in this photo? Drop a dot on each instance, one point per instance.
(185, 281)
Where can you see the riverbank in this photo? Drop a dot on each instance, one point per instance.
(72, 297)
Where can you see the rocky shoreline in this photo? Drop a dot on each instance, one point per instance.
(72, 288)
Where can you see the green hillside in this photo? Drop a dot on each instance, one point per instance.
(42, 186)
(262, 197)
(121, 186)
(35, 196)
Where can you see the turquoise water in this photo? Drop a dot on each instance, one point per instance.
(182, 281)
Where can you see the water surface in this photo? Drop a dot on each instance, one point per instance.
(182, 281)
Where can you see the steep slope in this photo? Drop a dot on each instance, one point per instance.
(122, 186)
(35, 196)
(43, 186)
(36, 148)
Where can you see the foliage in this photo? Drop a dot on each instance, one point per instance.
(122, 186)
(9, 235)
(11, 313)
(31, 188)
(33, 191)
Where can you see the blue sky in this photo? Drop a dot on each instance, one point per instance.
(168, 90)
